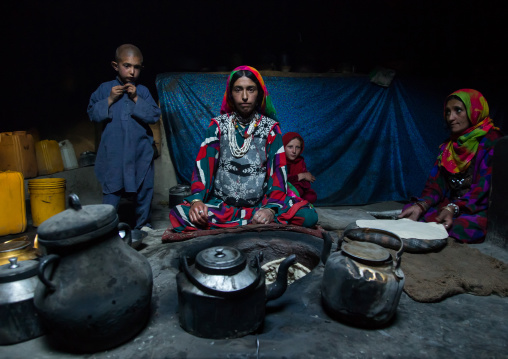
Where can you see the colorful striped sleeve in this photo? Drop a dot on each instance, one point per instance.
(276, 171)
(206, 162)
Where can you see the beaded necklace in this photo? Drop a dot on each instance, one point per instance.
(233, 127)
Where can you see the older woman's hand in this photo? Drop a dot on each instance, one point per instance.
(413, 212)
(198, 214)
(263, 216)
(445, 217)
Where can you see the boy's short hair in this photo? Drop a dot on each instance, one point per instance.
(128, 49)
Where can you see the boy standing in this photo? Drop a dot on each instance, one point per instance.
(124, 162)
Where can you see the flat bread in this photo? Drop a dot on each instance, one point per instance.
(406, 228)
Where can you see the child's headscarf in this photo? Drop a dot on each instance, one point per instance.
(459, 151)
(297, 165)
(265, 108)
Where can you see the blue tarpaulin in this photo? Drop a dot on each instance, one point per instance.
(364, 143)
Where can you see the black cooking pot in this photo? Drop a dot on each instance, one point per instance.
(222, 296)
(95, 290)
(178, 193)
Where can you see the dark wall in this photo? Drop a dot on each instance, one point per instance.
(58, 52)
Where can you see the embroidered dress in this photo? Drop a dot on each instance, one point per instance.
(462, 173)
(269, 150)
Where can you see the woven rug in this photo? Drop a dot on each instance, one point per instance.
(170, 236)
(456, 269)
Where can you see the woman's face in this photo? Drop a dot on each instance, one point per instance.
(245, 94)
(456, 116)
(293, 149)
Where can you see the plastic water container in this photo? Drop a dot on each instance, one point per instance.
(69, 158)
(17, 153)
(12, 203)
(49, 158)
(47, 198)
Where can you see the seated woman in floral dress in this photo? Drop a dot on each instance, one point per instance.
(457, 191)
(240, 173)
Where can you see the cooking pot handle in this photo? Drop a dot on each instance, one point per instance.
(128, 232)
(380, 233)
(218, 293)
(42, 269)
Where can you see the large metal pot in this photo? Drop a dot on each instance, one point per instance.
(222, 296)
(362, 283)
(178, 193)
(18, 318)
(95, 290)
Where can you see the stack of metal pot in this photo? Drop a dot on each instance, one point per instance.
(18, 318)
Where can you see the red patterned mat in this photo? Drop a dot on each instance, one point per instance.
(170, 236)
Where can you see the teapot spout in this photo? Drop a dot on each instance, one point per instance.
(276, 289)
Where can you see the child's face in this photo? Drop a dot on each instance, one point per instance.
(293, 149)
(128, 68)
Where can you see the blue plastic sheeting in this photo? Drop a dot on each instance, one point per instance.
(363, 143)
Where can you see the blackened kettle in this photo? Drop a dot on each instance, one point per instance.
(362, 282)
(95, 290)
(222, 296)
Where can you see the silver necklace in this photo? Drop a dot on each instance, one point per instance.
(236, 150)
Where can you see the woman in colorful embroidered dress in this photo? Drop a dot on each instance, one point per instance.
(240, 173)
(457, 192)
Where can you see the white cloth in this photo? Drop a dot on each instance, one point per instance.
(406, 228)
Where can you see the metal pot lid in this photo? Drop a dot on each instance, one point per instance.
(365, 251)
(15, 270)
(179, 189)
(77, 224)
(220, 260)
(14, 245)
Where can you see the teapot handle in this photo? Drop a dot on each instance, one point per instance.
(45, 261)
(377, 236)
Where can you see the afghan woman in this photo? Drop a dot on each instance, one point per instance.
(240, 173)
(456, 193)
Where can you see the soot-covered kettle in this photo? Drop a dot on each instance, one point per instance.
(362, 283)
(95, 290)
(222, 296)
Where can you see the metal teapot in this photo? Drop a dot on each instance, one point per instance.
(221, 296)
(362, 283)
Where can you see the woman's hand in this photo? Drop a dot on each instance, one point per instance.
(414, 212)
(263, 216)
(445, 217)
(306, 176)
(198, 214)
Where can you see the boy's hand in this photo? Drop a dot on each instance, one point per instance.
(115, 94)
(132, 91)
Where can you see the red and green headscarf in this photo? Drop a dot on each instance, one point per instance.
(459, 151)
(266, 107)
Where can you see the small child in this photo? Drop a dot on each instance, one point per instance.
(124, 162)
(298, 176)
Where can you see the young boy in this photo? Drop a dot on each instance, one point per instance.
(124, 162)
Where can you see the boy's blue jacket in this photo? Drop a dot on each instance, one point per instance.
(125, 152)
